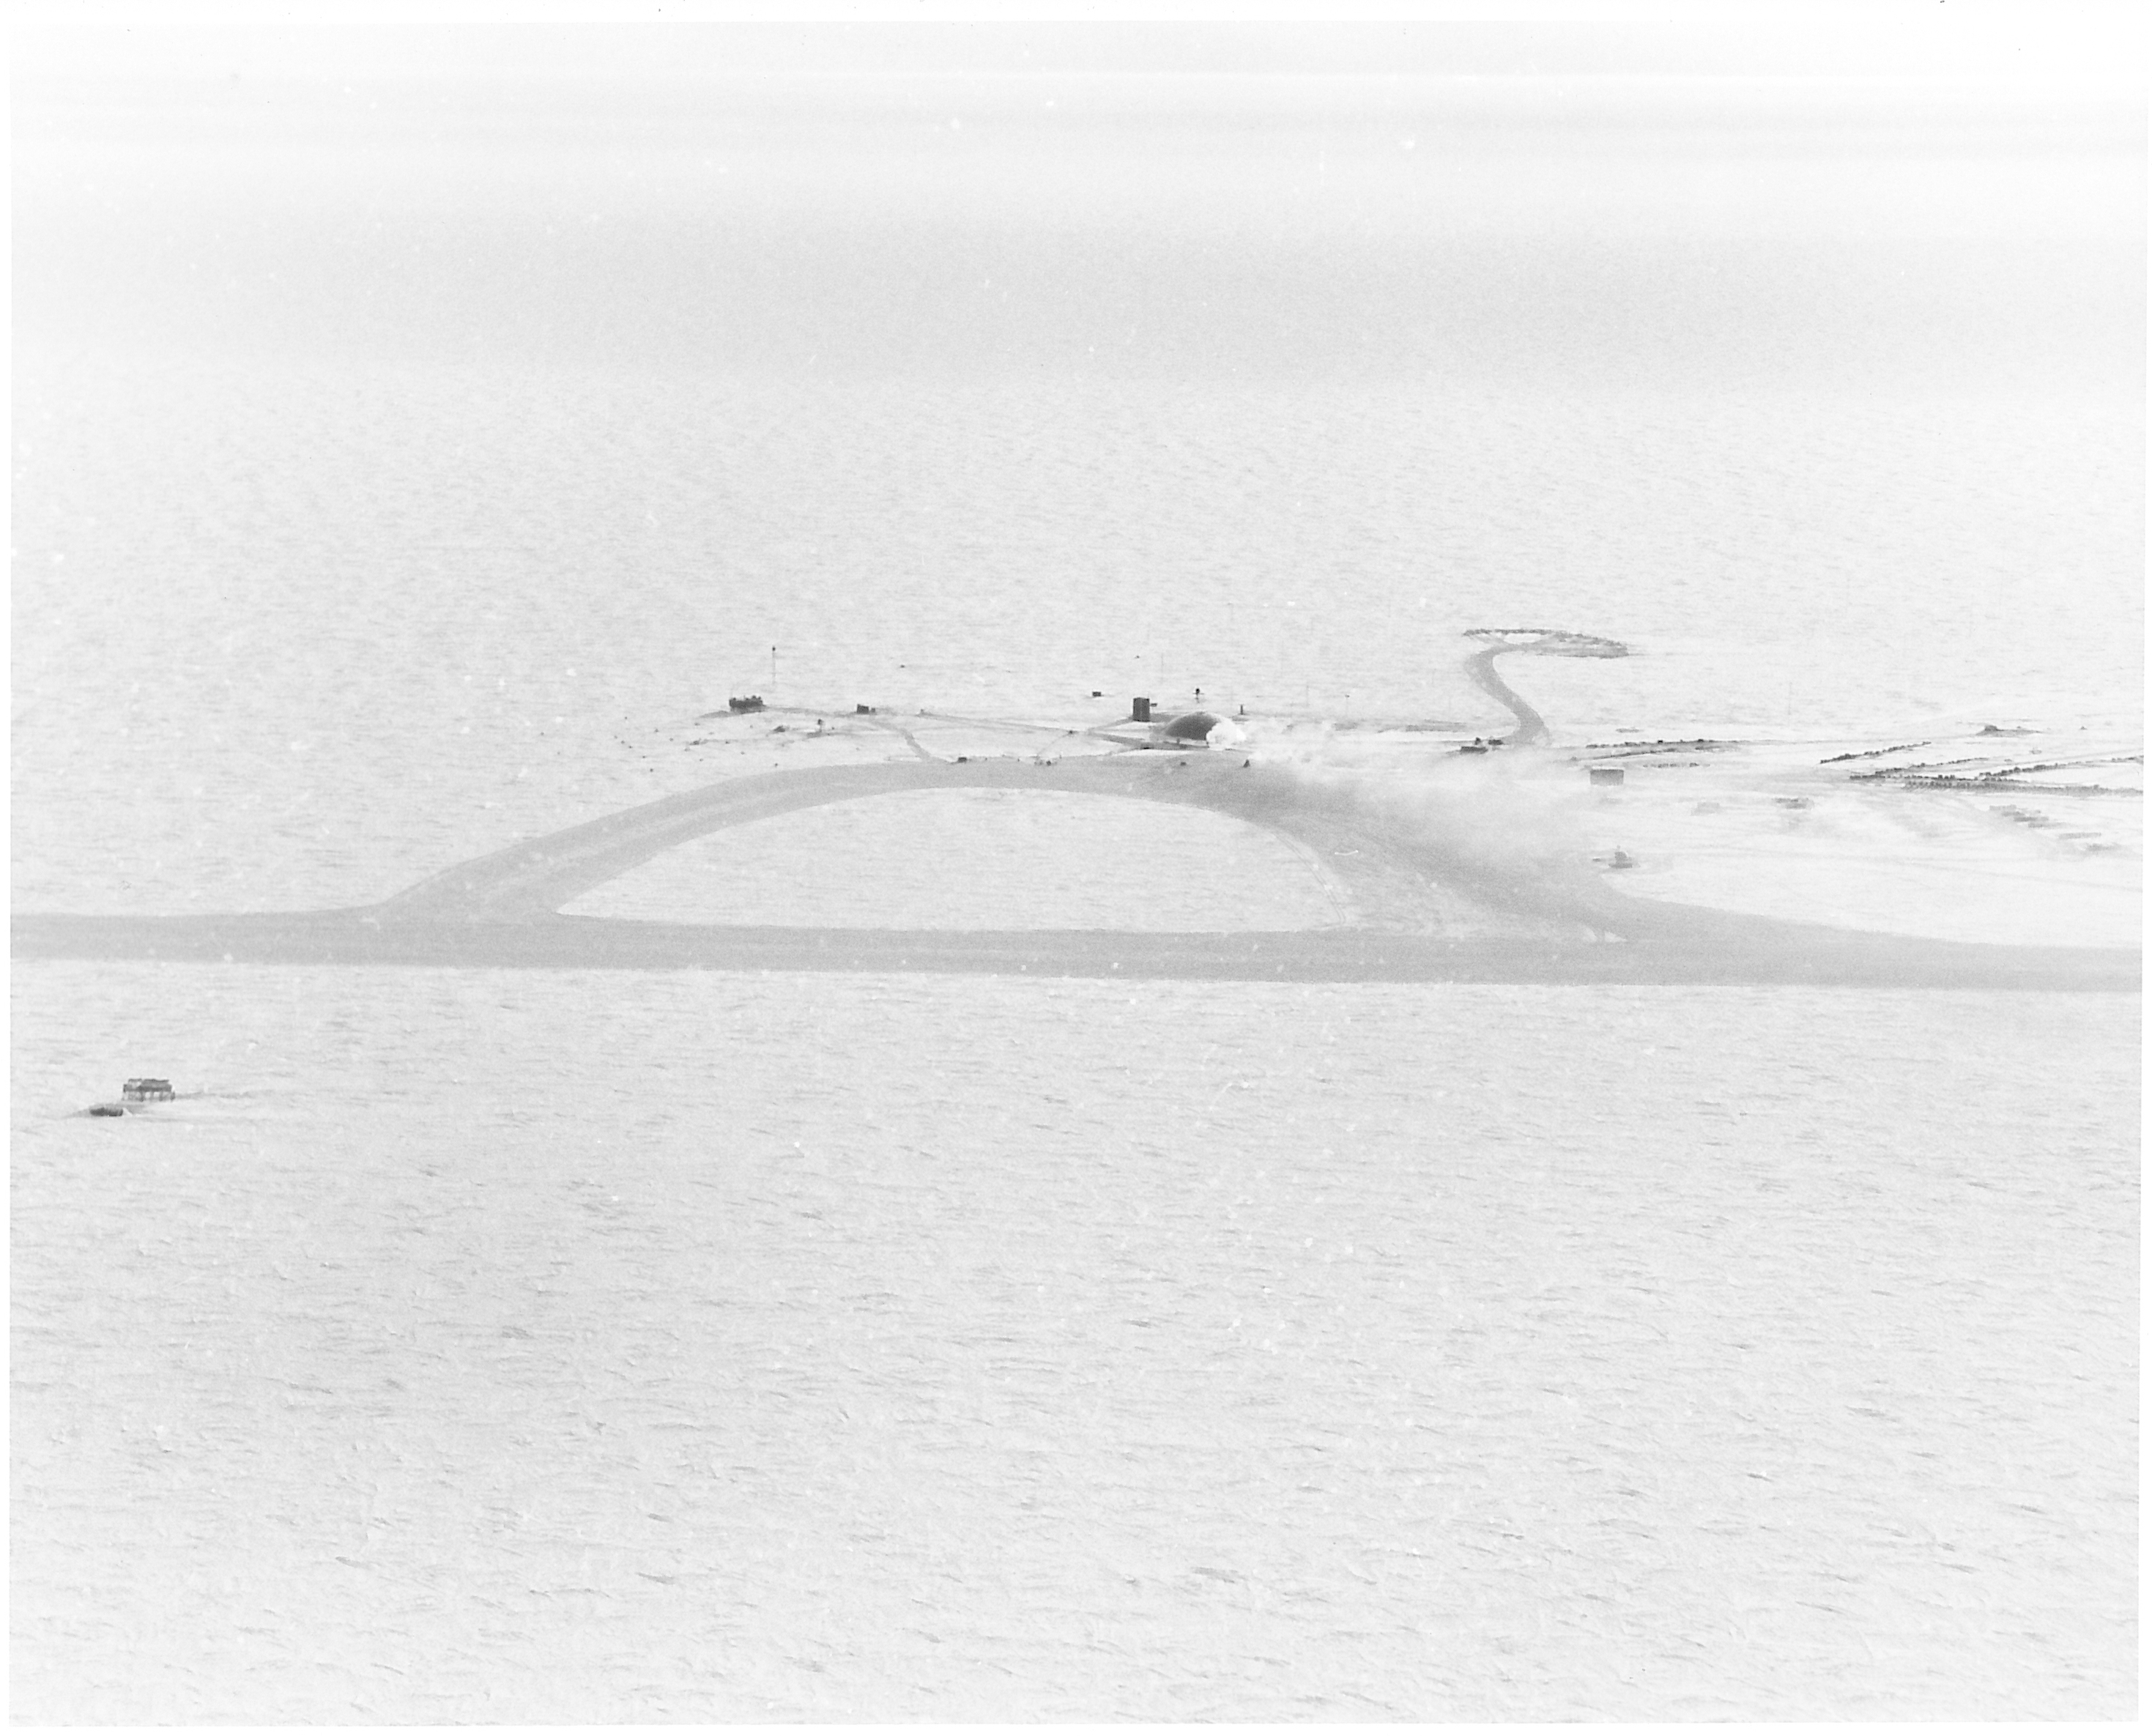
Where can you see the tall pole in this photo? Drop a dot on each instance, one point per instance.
(773, 669)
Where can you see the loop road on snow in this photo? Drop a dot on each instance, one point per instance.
(1550, 921)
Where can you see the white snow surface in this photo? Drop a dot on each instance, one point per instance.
(985, 859)
(615, 1348)
(1778, 828)
(406, 470)
(299, 635)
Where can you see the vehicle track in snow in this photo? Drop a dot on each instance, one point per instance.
(1563, 923)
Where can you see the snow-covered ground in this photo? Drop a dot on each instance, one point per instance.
(1799, 830)
(479, 1346)
(406, 466)
(985, 859)
(1824, 831)
(541, 1346)
(297, 637)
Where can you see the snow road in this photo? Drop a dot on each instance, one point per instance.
(1546, 918)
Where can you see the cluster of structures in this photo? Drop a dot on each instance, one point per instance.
(133, 1095)
(1188, 729)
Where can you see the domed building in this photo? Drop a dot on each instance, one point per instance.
(1200, 729)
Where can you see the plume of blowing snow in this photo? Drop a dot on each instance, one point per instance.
(1506, 815)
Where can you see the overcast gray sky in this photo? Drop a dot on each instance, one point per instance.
(2101, 40)
(1254, 195)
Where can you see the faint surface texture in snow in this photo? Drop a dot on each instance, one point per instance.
(537, 1347)
(400, 617)
(985, 859)
(407, 464)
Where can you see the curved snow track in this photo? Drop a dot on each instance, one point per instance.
(1548, 922)
(1531, 727)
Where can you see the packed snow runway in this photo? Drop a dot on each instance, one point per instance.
(1452, 871)
(752, 1144)
(1294, 1347)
